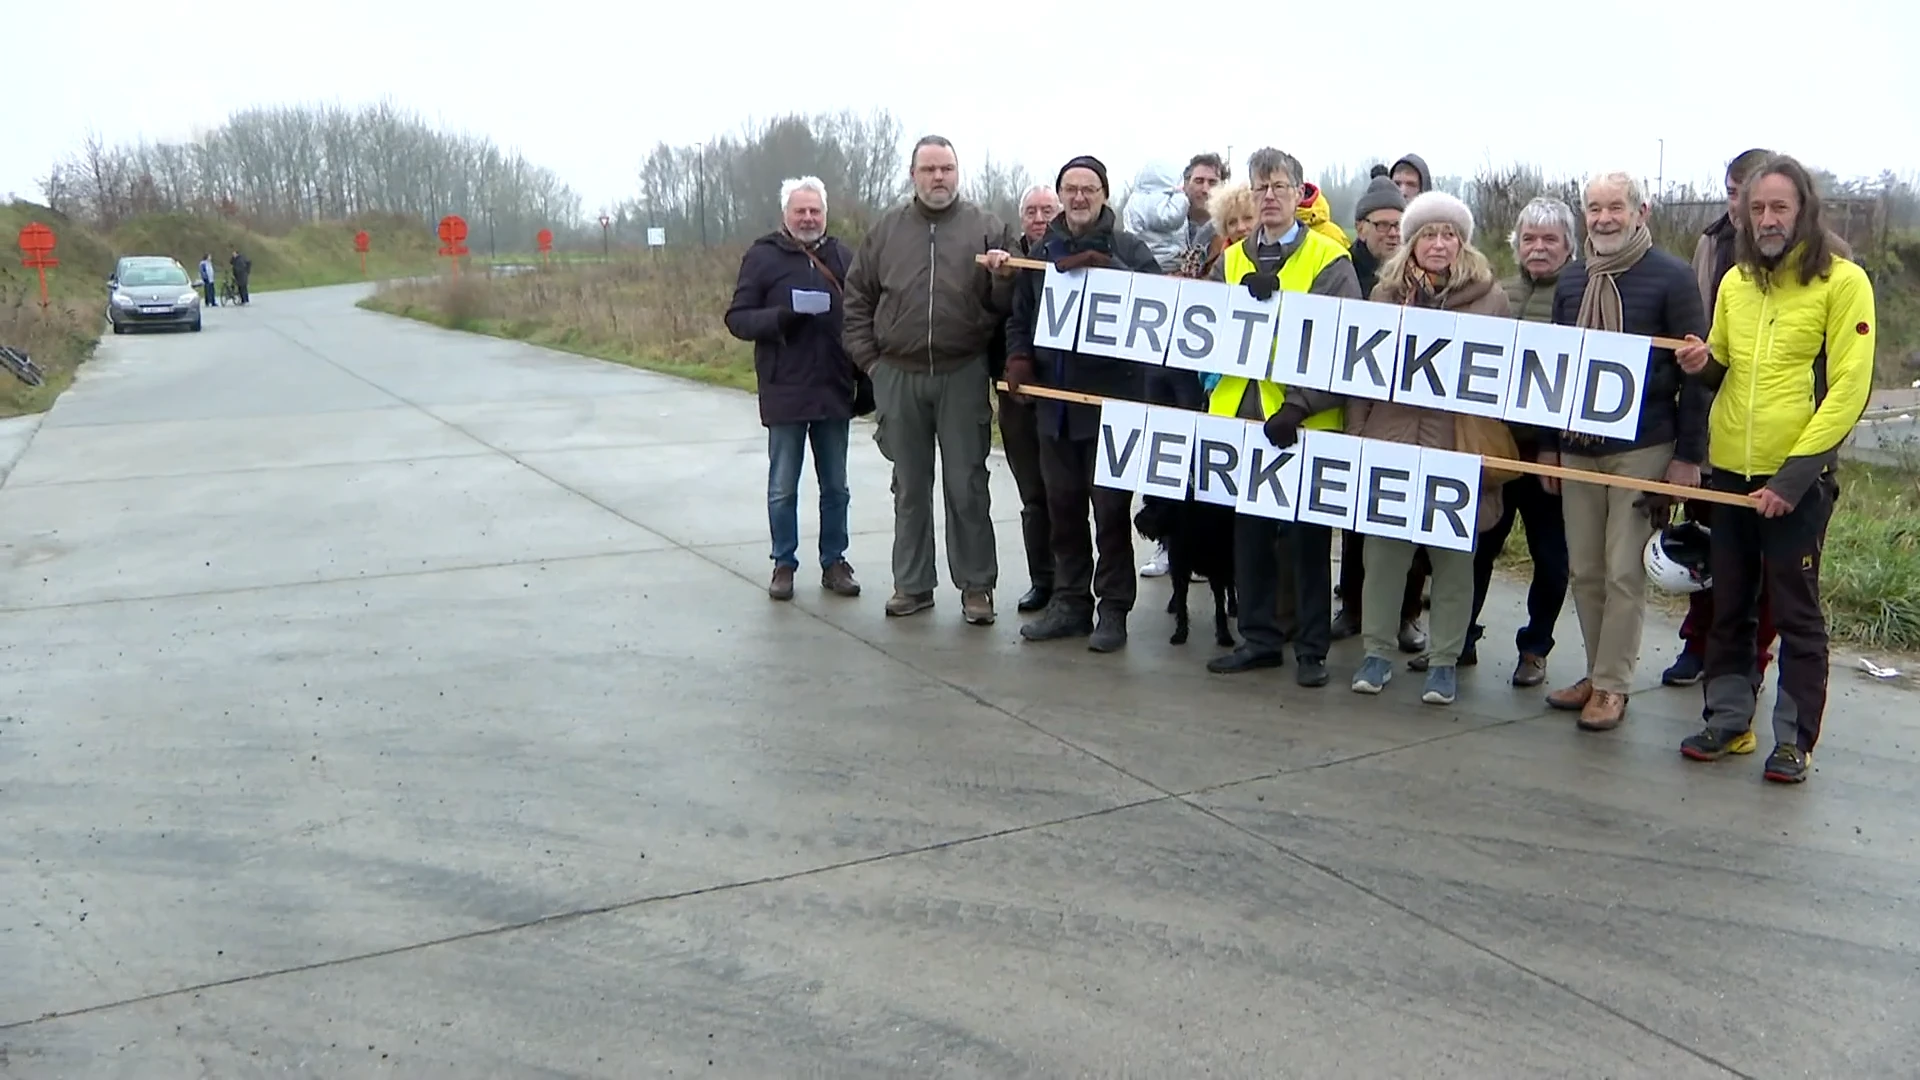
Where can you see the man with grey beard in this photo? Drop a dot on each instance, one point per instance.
(1624, 285)
(1791, 351)
(921, 316)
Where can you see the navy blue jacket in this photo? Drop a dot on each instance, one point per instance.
(802, 368)
(1659, 297)
(1089, 374)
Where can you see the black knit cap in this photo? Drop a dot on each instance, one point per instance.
(1084, 161)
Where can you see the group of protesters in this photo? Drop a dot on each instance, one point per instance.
(921, 323)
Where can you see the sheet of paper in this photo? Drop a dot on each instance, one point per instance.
(812, 302)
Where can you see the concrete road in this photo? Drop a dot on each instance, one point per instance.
(382, 701)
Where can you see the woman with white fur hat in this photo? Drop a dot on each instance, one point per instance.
(1435, 267)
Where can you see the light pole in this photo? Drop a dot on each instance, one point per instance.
(606, 250)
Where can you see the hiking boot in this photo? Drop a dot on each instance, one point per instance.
(1035, 599)
(1058, 622)
(1572, 698)
(1711, 745)
(1310, 671)
(1111, 634)
(1244, 659)
(906, 603)
(1603, 711)
(1345, 624)
(977, 606)
(1787, 764)
(1685, 671)
(781, 587)
(838, 579)
(1443, 685)
(1412, 638)
(1373, 676)
(1531, 671)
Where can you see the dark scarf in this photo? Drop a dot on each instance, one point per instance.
(1061, 240)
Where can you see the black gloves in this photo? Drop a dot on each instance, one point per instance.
(1019, 372)
(1262, 284)
(1080, 260)
(1283, 428)
(791, 320)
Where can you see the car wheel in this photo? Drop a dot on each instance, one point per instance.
(118, 329)
(196, 326)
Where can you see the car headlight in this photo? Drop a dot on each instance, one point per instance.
(122, 299)
(188, 299)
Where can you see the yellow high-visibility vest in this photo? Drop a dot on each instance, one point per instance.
(1296, 275)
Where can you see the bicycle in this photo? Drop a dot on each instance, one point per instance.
(229, 292)
(22, 366)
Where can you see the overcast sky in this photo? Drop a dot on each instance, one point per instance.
(586, 86)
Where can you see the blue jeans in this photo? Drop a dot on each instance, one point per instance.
(786, 450)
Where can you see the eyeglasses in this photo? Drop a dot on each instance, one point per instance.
(1277, 187)
(1070, 192)
(1383, 226)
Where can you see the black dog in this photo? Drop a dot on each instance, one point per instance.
(1199, 539)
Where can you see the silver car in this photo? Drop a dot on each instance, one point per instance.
(151, 291)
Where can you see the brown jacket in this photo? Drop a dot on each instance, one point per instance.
(915, 296)
(1411, 424)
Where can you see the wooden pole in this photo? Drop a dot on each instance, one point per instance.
(1558, 472)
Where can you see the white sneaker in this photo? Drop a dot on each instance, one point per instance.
(1156, 566)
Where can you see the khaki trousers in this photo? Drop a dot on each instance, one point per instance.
(1606, 544)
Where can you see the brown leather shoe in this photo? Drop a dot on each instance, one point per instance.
(1604, 711)
(1530, 671)
(838, 579)
(977, 606)
(1572, 698)
(781, 587)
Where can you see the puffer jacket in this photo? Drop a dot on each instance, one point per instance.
(1431, 428)
(916, 299)
(1314, 214)
(1794, 365)
(1156, 212)
(801, 369)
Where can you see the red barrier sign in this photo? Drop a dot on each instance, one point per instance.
(544, 238)
(453, 235)
(36, 249)
(361, 241)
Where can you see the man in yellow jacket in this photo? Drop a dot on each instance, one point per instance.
(1288, 597)
(1791, 352)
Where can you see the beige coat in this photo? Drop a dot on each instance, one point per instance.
(1433, 428)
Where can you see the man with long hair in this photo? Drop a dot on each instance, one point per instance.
(1791, 349)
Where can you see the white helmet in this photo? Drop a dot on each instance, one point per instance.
(1679, 558)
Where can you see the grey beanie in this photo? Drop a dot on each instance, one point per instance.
(1381, 194)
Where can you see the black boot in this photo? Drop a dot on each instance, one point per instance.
(1111, 634)
(1058, 622)
(1036, 598)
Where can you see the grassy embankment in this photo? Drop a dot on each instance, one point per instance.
(664, 314)
(63, 335)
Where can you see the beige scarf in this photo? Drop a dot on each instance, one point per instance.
(1600, 305)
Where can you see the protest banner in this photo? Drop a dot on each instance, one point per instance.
(1561, 377)
(1221, 465)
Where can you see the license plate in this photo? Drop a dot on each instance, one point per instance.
(156, 309)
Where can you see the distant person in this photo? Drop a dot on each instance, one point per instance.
(920, 319)
(1791, 352)
(206, 279)
(788, 303)
(1411, 175)
(242, 268)
(1624, 285)
(1019, 427)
